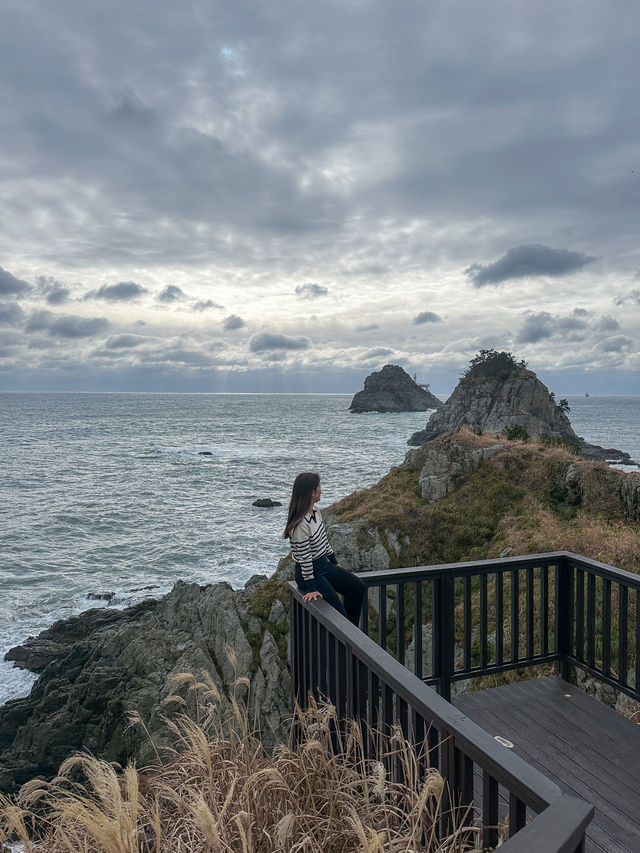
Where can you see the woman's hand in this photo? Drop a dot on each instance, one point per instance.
(312, 596)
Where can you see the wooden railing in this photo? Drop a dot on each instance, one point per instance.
(461, 621)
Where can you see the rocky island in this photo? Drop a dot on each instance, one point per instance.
(498, 394)
(459, 496)
(393, 390)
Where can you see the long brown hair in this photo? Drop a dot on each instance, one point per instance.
(304, 486)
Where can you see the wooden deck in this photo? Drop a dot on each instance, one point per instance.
(584, 746)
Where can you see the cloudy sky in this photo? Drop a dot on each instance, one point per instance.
(285, 196)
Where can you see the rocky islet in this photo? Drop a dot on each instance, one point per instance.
(393, 390)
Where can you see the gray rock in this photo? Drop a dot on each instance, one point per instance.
(98, 666)
(266, 502)
(101, 596)
(443, 464)
(498, 394)
(393, 390)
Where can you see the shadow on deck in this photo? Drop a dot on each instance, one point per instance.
(585, 747)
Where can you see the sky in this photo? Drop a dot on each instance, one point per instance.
(249, 196)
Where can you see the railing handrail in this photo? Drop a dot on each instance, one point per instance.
(548, 558)
(508, 768)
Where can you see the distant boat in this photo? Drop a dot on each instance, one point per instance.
(587, 394)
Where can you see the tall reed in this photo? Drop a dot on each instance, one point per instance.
(220, 791)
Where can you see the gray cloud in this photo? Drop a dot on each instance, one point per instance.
(577, 326)
(527, 261)
(78, 327)
(39, 320)
(12, 286)
(171, 293)
(379, 352)
(124, 291)
(367, 328)
(205, 305)
(310, 290)
(66, 326)
(11, 314)
(130, 110)
(634, 297)
(54, 292)
(619, 343)
(232, 322)
(269, 341)
(607, 324)
(124, 341)
(426, 317)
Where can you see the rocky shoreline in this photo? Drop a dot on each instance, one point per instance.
(98, 667)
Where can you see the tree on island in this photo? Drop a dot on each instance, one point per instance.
(493, 364)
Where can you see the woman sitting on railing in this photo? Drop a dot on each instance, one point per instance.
(318, 573)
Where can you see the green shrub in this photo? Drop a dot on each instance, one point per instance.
(516, 433)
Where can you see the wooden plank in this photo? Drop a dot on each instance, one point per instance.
(617, 737)
(604, 833)
(571, 747)
(590, 751)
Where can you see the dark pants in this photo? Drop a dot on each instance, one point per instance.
(332, 579)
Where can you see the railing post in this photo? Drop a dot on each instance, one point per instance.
(443, 636)
(563, 614)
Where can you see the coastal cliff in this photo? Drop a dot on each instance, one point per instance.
(393, 390)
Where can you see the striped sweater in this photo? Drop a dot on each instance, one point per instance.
(308, 542)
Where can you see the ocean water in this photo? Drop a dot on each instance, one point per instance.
(113, 493)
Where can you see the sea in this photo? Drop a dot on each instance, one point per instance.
(121, 495)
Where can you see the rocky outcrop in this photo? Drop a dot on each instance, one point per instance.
(393, 390)
(443, 463)
(102, 664)
(497, 394)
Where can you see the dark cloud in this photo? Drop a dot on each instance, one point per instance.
(426, 317)
(619, 343)
(527, 261)
(232, 322)
(130, 110)
(11, 314)
(367, 328)
(66, 326)
(380, 352)
(311, 290)
(171, 293)
(269, 341)
(78, 327)
(205, 305)
(124, 341)
(12, 286)
(607, 324)
(577, 326)
(39, 320)
(54, 292)
(634, 297)
(124, 291)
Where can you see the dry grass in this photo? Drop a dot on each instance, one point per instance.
(220, 791)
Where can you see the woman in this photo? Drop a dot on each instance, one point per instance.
(318, 573)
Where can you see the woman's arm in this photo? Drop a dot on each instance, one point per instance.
(301, 552)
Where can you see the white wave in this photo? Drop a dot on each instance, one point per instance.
(14, 683)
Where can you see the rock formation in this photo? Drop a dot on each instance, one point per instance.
(102, 664)
(393, 390)
(498, 393)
